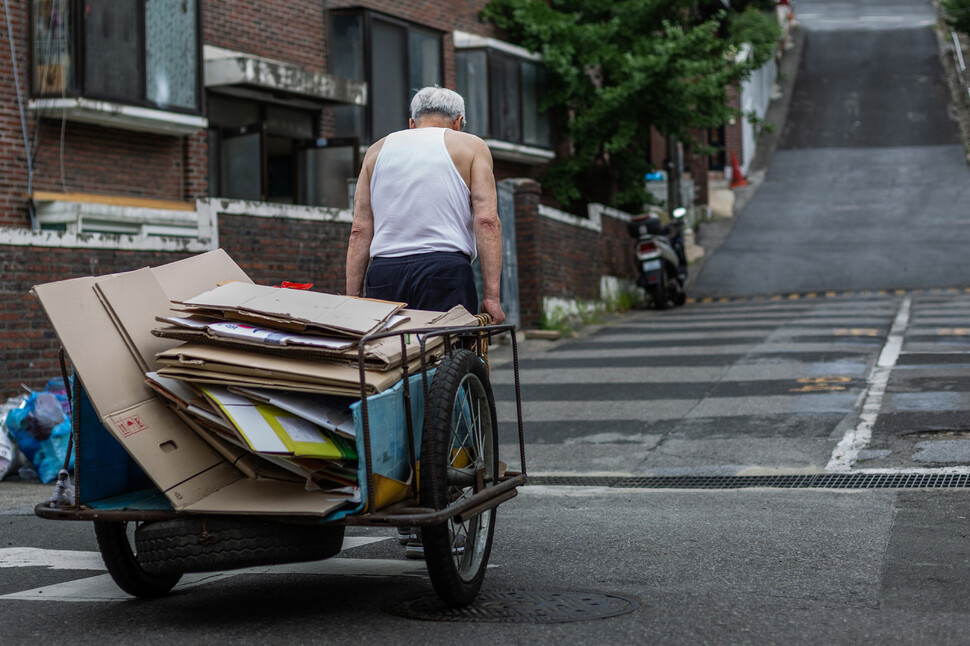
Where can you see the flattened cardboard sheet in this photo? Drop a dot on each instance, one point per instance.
(381, 354)
(312, 310)
(230, 380)
(212, 358)
(132, 299)
(196, 274)
(270, 497)
(100, 356)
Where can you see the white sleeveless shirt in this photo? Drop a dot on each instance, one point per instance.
(420, 202)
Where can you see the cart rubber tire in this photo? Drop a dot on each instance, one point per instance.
(213, 543)
(461, 385)
(123, 565)
(660, 294)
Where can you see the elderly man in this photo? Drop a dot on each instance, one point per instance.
(424, 208)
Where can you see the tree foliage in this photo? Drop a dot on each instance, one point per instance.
(617, 67)
(957, 14)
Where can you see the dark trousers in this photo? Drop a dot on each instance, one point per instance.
(429, 281)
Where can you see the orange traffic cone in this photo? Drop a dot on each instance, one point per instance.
(737, 177)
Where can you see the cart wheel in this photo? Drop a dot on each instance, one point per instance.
(115, 540)
(214, 543)
(457, 456)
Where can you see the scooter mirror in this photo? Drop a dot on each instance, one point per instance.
(679, 212)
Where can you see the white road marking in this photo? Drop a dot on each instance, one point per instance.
(855, 439)
(103, 588)
(78, 560)
(53, 559)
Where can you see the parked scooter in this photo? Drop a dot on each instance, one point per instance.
(661, 259)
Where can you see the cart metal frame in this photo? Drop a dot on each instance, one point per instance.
(405, 513)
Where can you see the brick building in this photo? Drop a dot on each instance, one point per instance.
(136, 132)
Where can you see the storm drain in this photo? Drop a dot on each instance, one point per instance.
(817, 481)
(522, 606)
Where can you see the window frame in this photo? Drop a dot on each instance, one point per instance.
(218, 132)
(368, 17)
(491, 131)
(75, 87)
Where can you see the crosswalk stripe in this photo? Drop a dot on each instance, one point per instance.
(102, 588)
(84, 560)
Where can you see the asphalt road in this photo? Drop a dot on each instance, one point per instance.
(753, 566)
(869, 184)
(854, 386)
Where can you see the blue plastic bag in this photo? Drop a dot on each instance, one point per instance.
(42, 429)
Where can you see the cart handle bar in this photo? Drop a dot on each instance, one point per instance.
(489, 330)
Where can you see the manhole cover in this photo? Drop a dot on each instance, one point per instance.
(522, 606)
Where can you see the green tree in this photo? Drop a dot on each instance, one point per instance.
(618, 67)
(957, 14)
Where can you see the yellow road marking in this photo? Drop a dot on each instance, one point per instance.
(857, 331)
(820, 384)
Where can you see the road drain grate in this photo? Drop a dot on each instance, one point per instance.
(817, 481)
(521, 606)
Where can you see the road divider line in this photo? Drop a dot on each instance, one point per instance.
(857, 438)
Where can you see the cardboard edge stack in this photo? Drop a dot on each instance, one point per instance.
(232, 397)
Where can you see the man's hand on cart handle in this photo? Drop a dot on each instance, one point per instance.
(493, 308)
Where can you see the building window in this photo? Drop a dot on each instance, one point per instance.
(394, 57)
(140, 52)
(502, 94)
(270, 153)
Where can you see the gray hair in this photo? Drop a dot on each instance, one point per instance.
(437, 100)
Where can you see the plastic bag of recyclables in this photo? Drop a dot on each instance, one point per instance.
(11, 458)
(41, 428)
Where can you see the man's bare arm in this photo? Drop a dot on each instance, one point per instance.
(488, 230)
(361, 231)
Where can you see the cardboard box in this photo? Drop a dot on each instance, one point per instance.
(105, 325)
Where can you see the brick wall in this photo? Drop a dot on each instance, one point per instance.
(617, 250)
(196, 166)
(272, 250)
(290, 31)
(558, 259)
(698, 170)
(454, 15)
(13, 156)
(269, 250)
(109, 161)
(528, 249)
(28, 346)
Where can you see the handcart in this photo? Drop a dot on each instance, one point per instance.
(451, 451)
